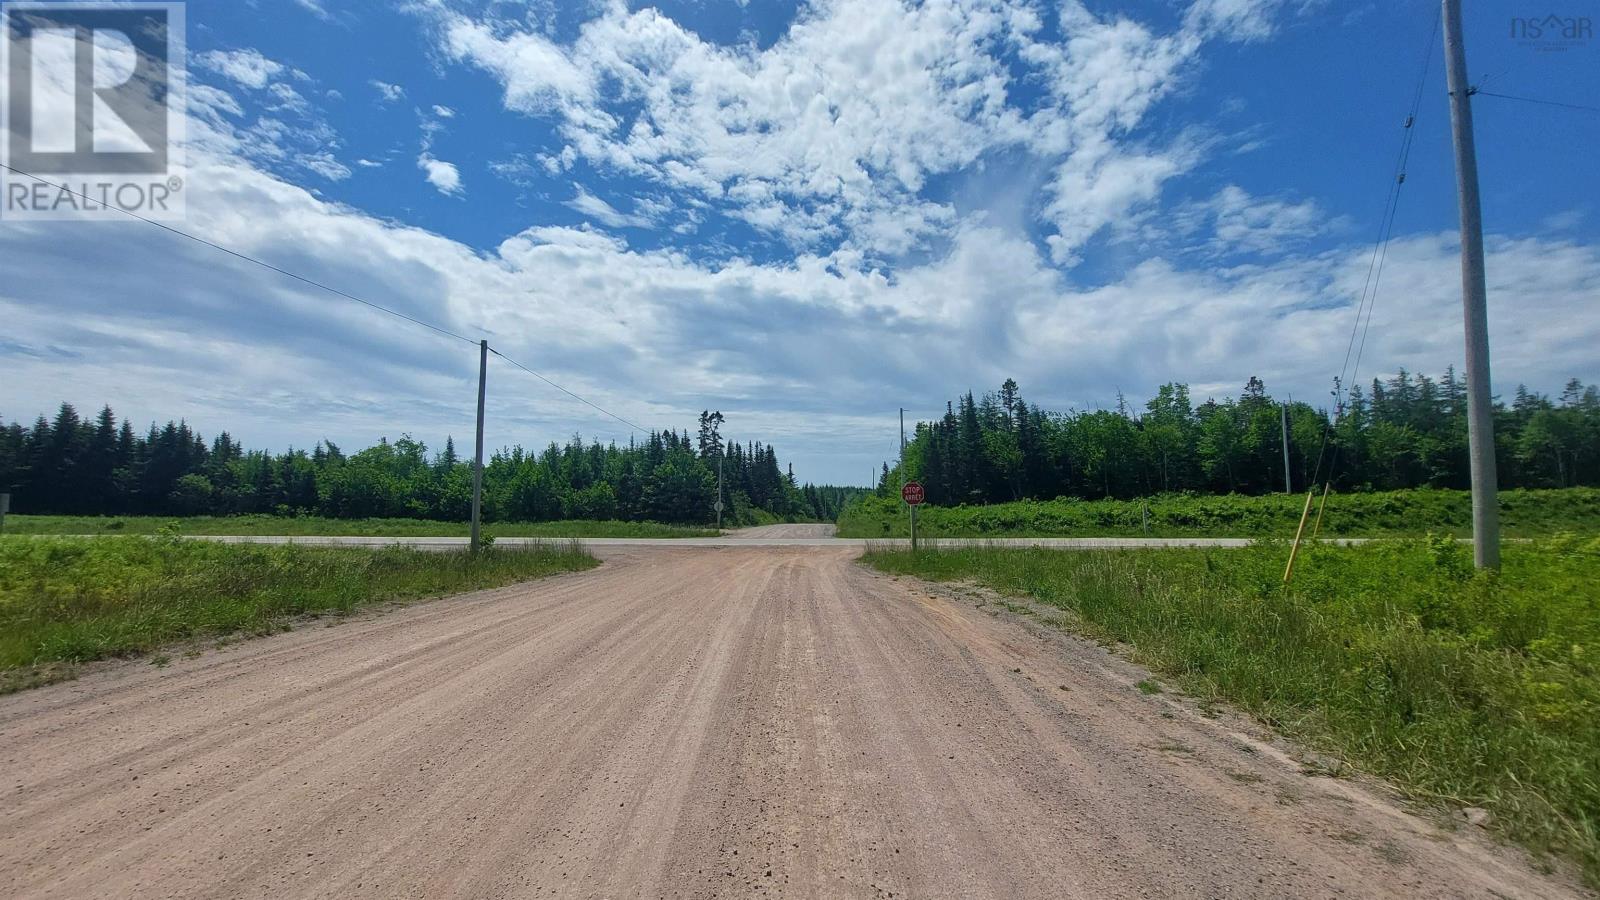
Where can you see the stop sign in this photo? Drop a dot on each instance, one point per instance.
(912, 493)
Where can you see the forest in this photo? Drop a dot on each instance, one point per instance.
(1408, 431)
(101, 466)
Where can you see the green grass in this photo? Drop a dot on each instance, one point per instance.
(306, 526)
(1462, 688)
(1524, 514)
(65, 601)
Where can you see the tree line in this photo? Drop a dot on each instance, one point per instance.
(101, 466)
(1404, 432)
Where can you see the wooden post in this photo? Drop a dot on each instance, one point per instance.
(1317, 529)
(1295, 550)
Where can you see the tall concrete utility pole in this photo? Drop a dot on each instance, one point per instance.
(477, 459)
(1288, 483)
(1474, 301)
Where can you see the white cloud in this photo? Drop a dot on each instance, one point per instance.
(387, 93)
(314, 7)
(326, 165)
(802, 352)
(246, 67)
(604, 213)
(1234, 221)
(444, 112)
(537, 74)
(445, 177)
(830, 135)
(1240, 19)
(839, 125)
(286, 131)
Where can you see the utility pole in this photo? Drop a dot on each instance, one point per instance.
(477, 460)
(1474, 300)
(911, 511)
(719, 489)
(1288, 483)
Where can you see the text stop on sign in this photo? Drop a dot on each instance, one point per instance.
(912, 493)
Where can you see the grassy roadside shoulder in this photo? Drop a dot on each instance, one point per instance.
(1461, 688)
(1524, 513)
(316, 526)
(65, 601)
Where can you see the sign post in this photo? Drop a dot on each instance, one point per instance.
(914, 496)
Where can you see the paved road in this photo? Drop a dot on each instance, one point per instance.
(726, 722)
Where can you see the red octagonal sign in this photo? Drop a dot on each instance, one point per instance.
(912, 493)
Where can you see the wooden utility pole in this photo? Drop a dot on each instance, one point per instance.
(477, 460)
(1474, 300)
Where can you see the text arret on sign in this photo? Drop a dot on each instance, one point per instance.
(912, 493)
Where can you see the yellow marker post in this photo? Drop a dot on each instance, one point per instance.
(1295, 550)
(1317, 528)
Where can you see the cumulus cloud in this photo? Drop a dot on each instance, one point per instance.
(797, 351)
(835, 128)
(445, 177)
(830, 135)
(819, 139)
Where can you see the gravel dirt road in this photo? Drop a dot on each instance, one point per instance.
(684, 723)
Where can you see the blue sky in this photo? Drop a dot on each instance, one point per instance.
(810, 214)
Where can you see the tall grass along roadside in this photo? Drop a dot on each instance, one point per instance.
(1527, 513)
(296, 526)
(1466, 688)
(72, 600)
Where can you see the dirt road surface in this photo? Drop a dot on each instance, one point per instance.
(683, 723)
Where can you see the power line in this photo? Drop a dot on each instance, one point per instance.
(1381, 250)
(1367, 304)
(247, 258)
(1480, 92)
(563, 390)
